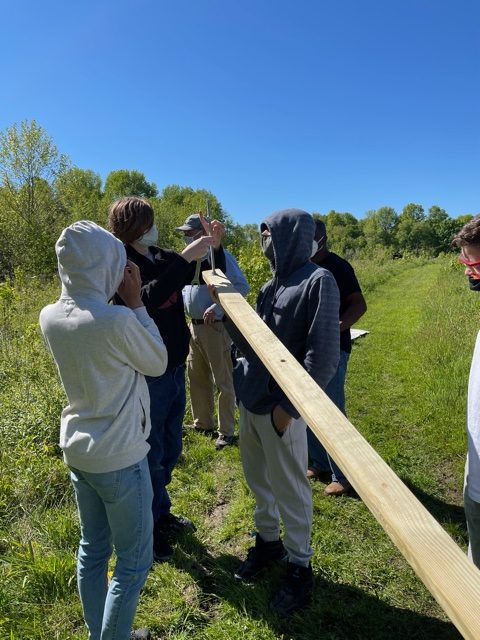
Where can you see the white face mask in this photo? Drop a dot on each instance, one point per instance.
(150, 237)
(314, 248)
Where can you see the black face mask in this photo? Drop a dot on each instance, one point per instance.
(267, 247)
(474, 284)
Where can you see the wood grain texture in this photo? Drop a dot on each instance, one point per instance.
(435, 557)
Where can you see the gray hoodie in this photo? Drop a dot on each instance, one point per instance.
(102, 353)
(300, 304)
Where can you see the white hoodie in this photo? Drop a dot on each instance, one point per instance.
(102, 354)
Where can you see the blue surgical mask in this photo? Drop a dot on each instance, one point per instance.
(150, 237)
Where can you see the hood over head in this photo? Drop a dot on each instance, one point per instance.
(292, 233)
(91, 261)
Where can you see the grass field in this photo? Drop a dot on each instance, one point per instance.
(406, 393)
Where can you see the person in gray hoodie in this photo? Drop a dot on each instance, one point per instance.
(300, 304)
(103, 353)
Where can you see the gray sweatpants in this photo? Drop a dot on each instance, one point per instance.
(275, 470)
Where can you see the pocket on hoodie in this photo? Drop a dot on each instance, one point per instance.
(142, 410)
(143, 420)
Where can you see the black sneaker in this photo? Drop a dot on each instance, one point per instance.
(295, 590)
(140, 634)
(259, 557)
(162, 549)
(171, 525)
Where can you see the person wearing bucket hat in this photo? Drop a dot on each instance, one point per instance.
(209, 362)
(164, 273)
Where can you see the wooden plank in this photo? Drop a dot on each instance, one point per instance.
(357, 333)
(441, 565)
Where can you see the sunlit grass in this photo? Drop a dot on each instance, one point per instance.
(406, 393)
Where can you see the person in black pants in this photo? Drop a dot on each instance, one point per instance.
(352, 308)
(164, 273)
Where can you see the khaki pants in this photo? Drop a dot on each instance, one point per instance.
(209, 363)
(274, 468)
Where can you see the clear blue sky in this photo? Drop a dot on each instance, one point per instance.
(338, 104)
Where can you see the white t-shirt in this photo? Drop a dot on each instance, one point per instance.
(473, 426)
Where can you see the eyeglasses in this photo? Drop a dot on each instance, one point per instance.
(469, 263)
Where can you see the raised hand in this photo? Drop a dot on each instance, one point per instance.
(197, 249)
(217, 229)
(130, 287)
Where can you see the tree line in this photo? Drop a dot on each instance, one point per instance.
(41, 192)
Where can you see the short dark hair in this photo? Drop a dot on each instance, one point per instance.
(129, 218)
(468, 234)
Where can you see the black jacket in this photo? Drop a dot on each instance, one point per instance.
(162, 284)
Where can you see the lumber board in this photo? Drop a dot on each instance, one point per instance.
(436, 559)
(358, 333)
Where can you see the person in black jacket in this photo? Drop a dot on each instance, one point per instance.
(164, 273)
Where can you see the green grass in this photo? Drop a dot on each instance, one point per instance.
(406, 393)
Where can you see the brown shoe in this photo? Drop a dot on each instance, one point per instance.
(319, 474)
(337, 489)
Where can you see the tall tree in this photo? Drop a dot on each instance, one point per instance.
(442, 229)
(414, 211)
(239, 237)
(29, 218)
(343, 231)
(79, 194)
(412, 233)
(379, 227)
(176, 203)
(124, 182)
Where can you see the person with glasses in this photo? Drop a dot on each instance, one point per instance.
(468, 240)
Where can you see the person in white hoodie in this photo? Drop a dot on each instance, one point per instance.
(103, 353)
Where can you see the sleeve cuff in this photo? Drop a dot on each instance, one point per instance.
(289, 408)
(142, 316)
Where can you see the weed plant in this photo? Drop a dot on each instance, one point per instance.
(406, 393)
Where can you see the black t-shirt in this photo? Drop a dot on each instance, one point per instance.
(347, 283)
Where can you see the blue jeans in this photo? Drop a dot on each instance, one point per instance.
(167, 409)
(115, 511)
(319, 458)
